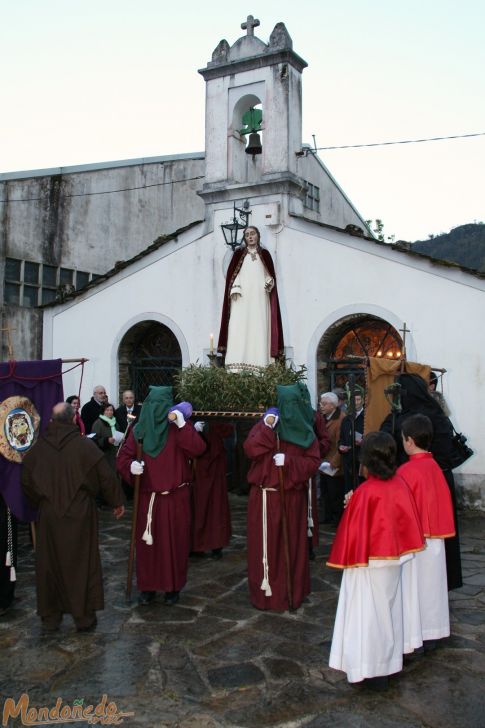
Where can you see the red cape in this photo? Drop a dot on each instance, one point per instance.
(277, 344)
(431, 494)
(380, 522)
(323, 437)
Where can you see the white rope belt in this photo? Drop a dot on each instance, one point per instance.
(310, 510)
(9, 556)
(147, 536)
(265, 585)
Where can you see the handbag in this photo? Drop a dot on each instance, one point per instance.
(460, 452)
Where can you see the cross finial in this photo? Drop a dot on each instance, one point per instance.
(250, 24)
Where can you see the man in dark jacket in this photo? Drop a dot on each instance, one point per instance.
(92, 409)
(61, 476)
(127, 408)
(416, 399)
(351, 435)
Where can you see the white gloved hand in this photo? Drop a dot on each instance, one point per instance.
(271, 421)
(279, 459)
(136, 467)
(177, 418)
(347, 498)
(199, 426)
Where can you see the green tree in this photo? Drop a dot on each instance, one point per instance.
(377, 227)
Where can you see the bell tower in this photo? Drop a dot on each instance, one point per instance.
(253, 117)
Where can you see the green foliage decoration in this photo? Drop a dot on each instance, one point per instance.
(215, 389)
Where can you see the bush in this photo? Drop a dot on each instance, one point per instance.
(215, 389)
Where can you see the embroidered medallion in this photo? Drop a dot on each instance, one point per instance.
(19, 426)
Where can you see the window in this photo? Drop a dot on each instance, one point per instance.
(48, 295)
(312, 199)
(32, 284)
(82, 279)
(49, 276)
(31, 272)
(65, 275)
(12, 293)
(12, 269)
(30, 296)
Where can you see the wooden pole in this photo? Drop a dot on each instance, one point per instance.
(284, 524)
(136, 493)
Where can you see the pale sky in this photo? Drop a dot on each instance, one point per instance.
(100, 80)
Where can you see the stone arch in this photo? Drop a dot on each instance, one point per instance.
(333, 318)
(345, 344)
(148, 353)
(243, 167)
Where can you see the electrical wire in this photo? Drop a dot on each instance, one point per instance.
(385, 144)
(104, 192)
(304, 151)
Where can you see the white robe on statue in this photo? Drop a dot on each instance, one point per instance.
(249, 334)
(368, 634)
(426, 612)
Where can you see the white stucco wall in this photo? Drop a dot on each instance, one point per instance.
(322, 274)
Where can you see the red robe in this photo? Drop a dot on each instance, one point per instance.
(380, 522)
(211, 515)
(300, 465)
(163, 565)
(277, 344)
(431, 494)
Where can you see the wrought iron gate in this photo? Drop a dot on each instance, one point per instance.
(149, 370)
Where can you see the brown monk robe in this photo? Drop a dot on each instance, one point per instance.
(61, 476)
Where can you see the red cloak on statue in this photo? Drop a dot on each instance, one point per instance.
(277, 344)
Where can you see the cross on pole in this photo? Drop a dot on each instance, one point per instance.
(404, 331)
(250, 24)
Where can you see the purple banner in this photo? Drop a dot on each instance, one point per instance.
(41, 383)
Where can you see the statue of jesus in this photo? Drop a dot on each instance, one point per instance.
(251, 330)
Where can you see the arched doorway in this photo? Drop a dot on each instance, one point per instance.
(345, 346)
(149, 353)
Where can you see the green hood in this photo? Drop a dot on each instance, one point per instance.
(152, 426)
(296, 414)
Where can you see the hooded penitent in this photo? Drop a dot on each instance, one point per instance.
(152, 427)
(296, 414)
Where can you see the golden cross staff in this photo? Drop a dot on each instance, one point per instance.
(404, 331)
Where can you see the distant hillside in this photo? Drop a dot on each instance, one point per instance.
(464, 245)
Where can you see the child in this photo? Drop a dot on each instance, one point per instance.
(425, 590)
(380, 529)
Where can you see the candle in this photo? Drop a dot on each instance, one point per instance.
(211, 344)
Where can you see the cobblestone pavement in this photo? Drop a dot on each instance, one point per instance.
(213, 660)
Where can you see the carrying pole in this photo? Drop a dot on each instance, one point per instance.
(136, 493)
(284, 524)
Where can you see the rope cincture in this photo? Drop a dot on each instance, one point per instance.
(265, 585)
(310, 510)
(147, 535)
(9, 556)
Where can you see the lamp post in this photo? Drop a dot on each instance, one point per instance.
(232, 230)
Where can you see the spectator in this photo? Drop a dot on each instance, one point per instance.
(91, 410)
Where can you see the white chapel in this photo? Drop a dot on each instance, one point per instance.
(341, 292)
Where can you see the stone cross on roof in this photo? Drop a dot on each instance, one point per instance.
(250, 24)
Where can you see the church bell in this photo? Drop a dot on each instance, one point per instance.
(254, 144)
